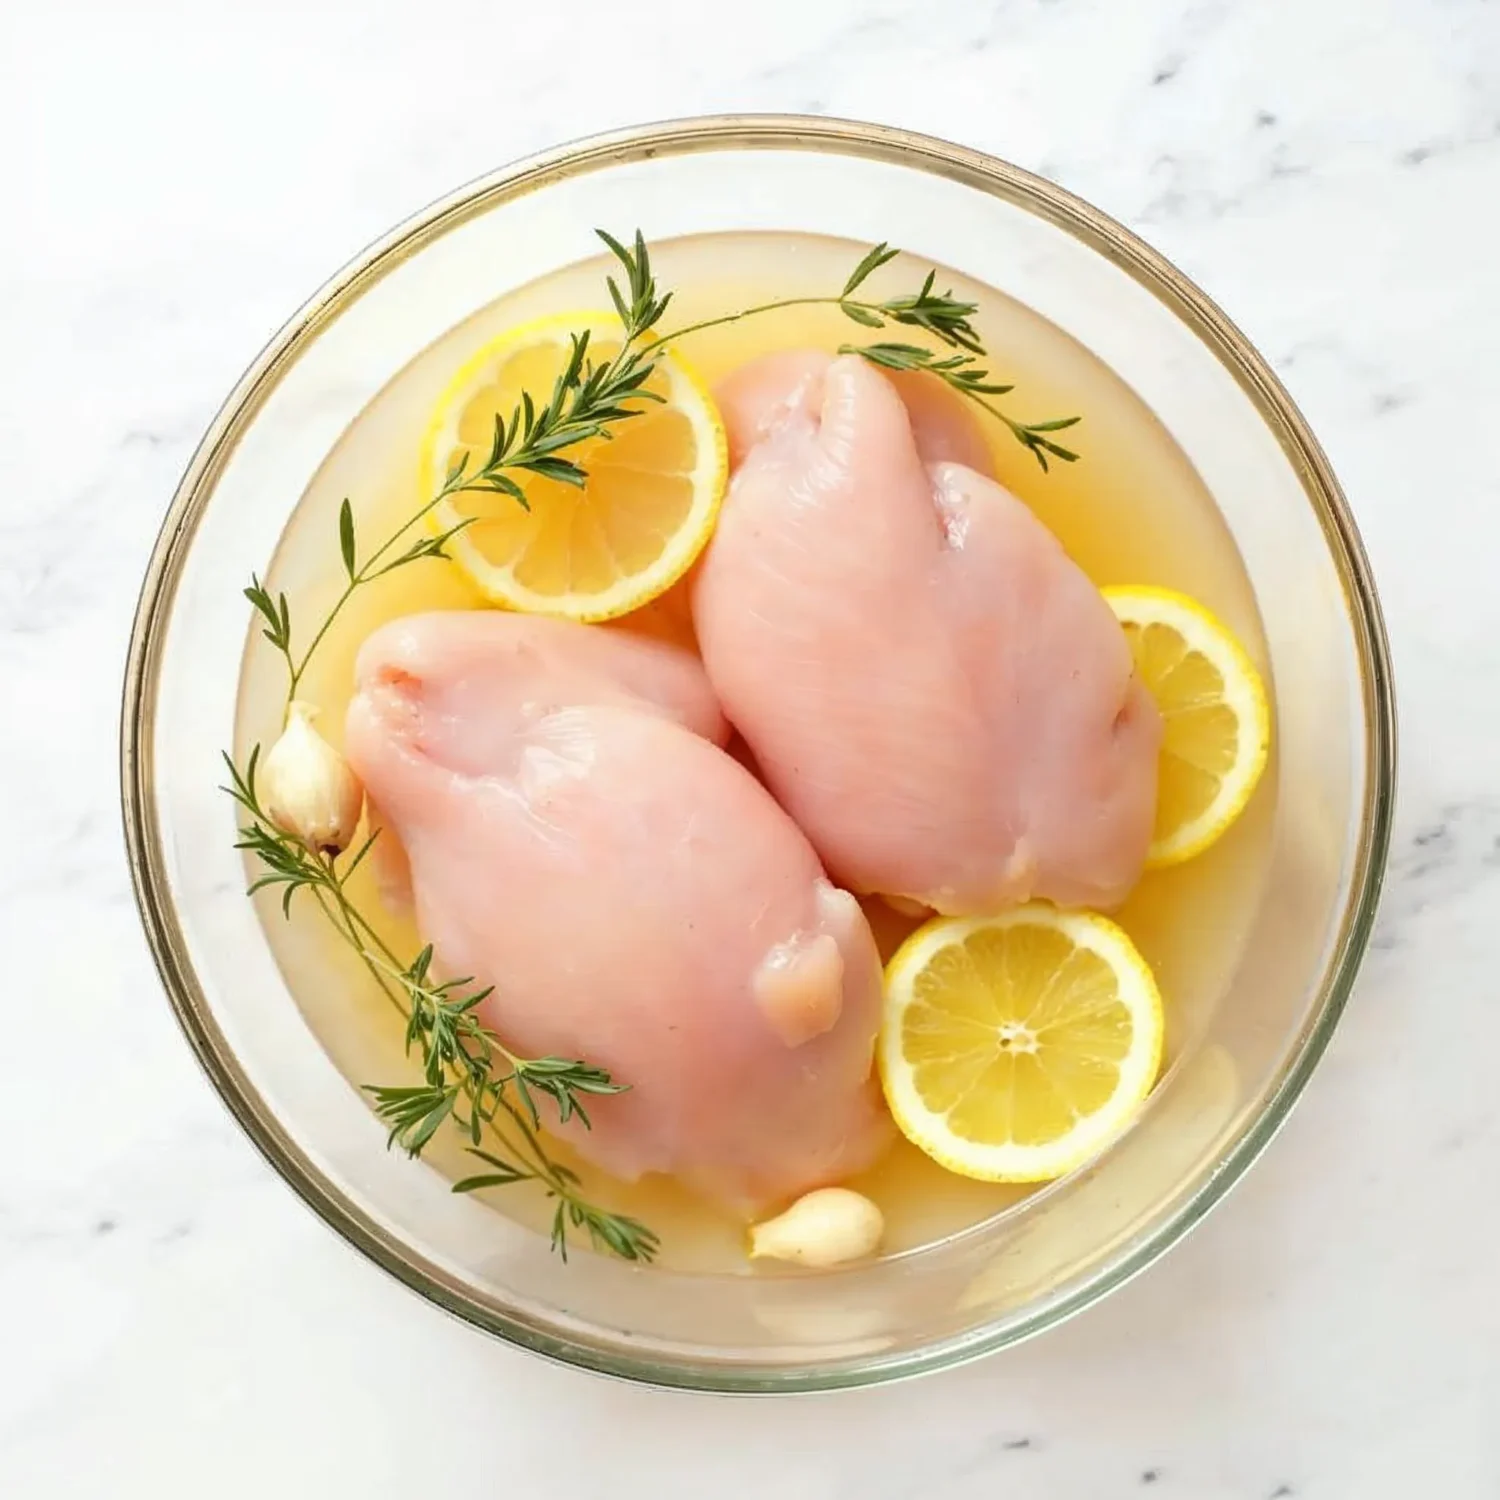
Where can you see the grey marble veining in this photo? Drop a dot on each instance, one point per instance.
(179, 177)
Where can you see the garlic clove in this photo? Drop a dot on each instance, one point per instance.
(824, 1228)
(306, 786)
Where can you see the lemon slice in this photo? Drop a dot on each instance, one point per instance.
(1017, 1046)
(642, 516)
(1215, 714)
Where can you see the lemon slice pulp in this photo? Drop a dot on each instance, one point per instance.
(1015, 1047)
(644, 512)
(1215, 714)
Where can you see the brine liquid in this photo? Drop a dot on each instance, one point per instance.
(1132, 510)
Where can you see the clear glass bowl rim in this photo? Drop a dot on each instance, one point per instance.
(986, 174)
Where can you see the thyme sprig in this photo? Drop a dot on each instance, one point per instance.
(590, 399)
(963, 373)
(947, 318)
(469, 1076)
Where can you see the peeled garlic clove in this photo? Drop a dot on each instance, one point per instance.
(823, 1228)
(307, 788)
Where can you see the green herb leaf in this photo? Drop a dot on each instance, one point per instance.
(346, 537)
(876, 257)
(862, 315)
(274, 612)
(504, 1173)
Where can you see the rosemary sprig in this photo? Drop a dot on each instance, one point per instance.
(945, 317)
(587, 401)
(964, 374)
(468, 1075)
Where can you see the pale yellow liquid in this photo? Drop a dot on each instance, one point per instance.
(1132, 510)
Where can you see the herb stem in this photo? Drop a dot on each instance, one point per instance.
(367, 571)
(751, 312)
(337, 915)
(296, 669)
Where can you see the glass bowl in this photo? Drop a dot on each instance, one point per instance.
(1019, 1273)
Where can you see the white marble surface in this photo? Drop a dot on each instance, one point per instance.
(179, 177)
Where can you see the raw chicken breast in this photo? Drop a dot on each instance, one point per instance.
(577, 839)
(932, 688)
